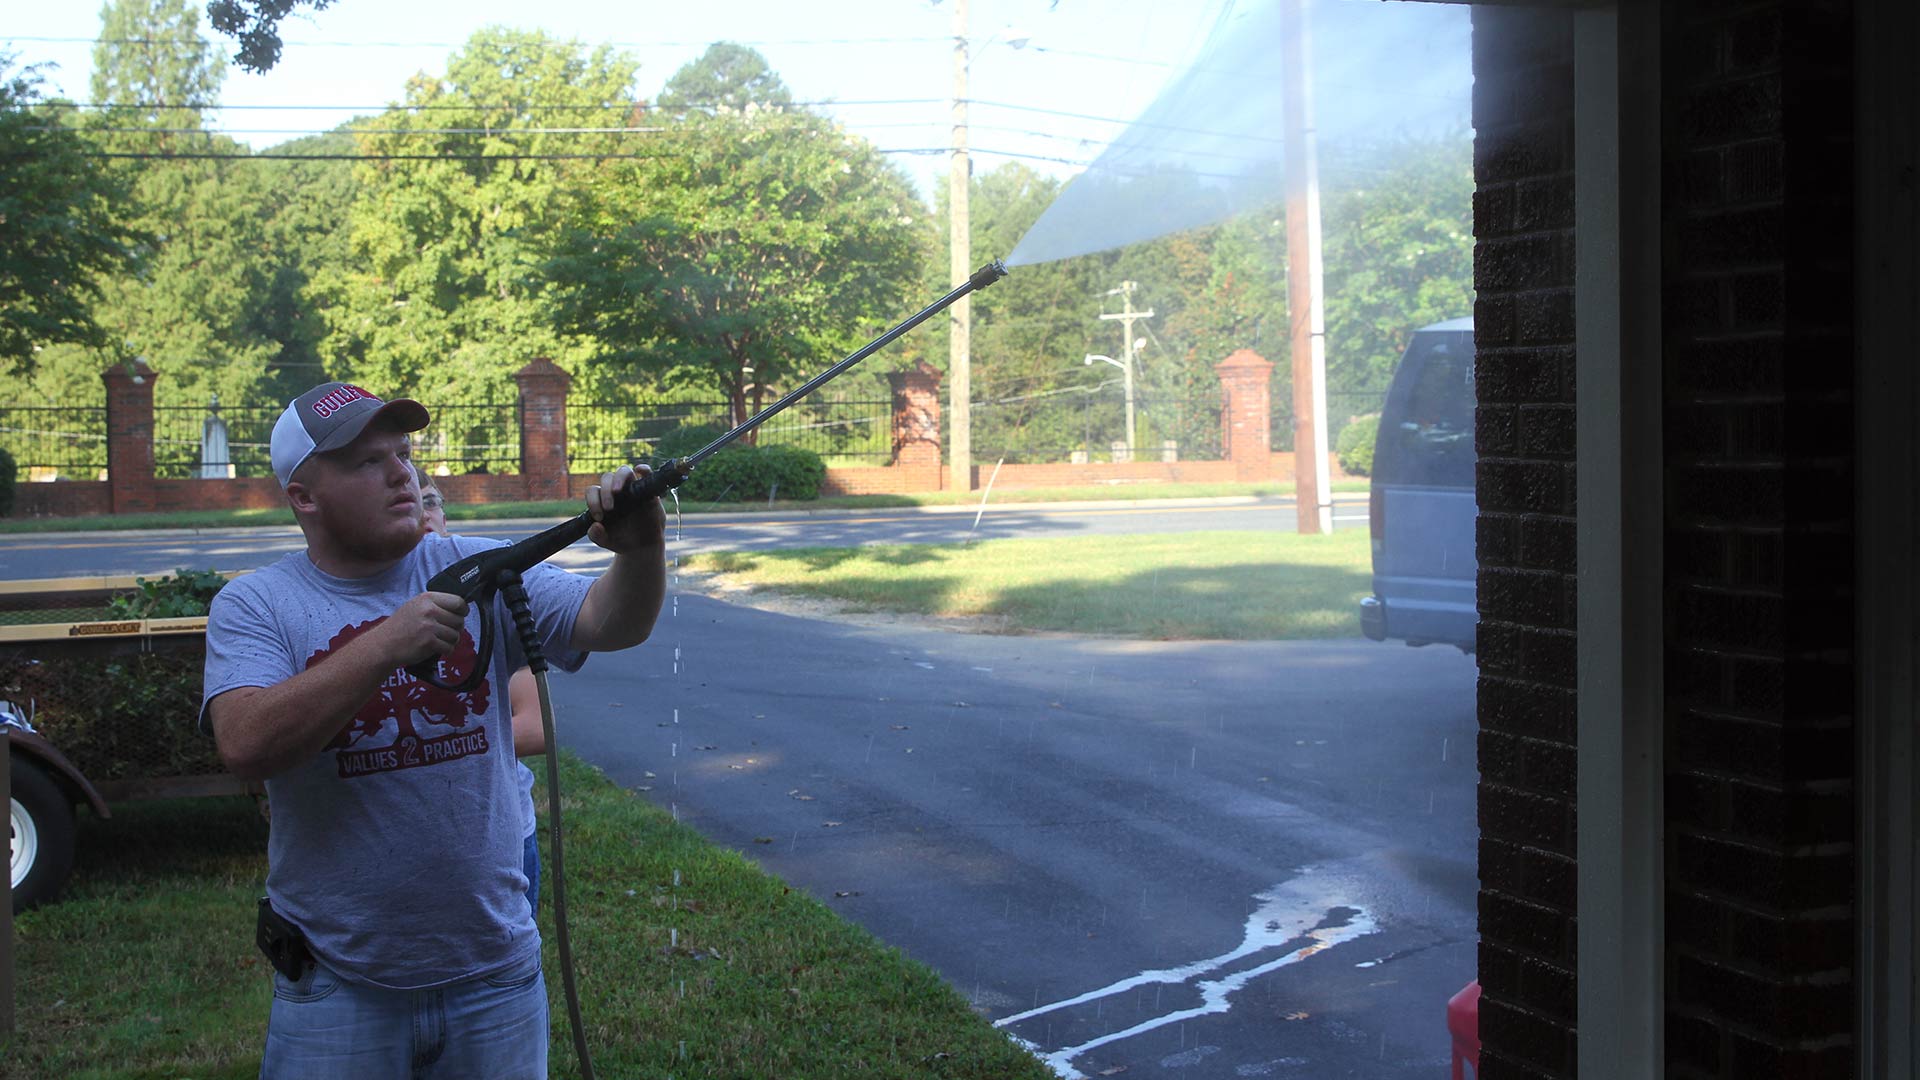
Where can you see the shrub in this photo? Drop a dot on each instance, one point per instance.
(749, 473)
(1355, 447)
(9, 472)
(186, 593)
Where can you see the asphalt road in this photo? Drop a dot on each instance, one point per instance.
(1222, 859)
(49, 555)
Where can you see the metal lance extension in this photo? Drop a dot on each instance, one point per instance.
(478, 578)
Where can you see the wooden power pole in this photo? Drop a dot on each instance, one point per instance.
(1312, 482)
(960, 315)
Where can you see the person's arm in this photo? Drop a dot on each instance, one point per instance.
(621, 607)
(262, 731)
(529, 733)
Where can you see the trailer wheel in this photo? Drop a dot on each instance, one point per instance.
(41, 821)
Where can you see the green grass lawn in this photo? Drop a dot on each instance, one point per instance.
(216, 519)
(147, 967)
(1232, 585)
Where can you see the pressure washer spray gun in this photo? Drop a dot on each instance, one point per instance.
(479, 577)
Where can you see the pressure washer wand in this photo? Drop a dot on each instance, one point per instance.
(673, 473)
(478, 576)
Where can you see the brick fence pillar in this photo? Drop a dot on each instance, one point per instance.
(1246, 428)
(543, 429)
(916, 416)
(129, 437)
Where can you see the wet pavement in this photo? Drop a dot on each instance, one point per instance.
(1179, 859)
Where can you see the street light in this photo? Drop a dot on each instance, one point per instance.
(1127, 370)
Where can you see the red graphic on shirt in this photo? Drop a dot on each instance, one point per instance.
(394, 729)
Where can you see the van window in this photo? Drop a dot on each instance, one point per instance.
(1426, 436)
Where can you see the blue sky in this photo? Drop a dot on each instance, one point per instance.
(1100, 58)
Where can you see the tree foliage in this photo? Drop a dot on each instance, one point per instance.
(726, 77)
(59, 237)
(255, 26)
(747, 251)
(437, 289)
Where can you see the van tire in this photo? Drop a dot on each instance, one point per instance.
(41, 821)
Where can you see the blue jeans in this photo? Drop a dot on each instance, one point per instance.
(324, 1027)
(531, 862)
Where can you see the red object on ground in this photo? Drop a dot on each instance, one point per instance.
(1463, 1022)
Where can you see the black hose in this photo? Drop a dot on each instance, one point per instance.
(519, 604)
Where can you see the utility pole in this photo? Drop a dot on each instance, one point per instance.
(959, 242)
(1311, 479)
(1126, 315)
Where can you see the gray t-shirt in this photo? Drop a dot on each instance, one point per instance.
(398, 847)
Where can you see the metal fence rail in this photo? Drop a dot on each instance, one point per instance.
(199, 442)
(1088, 424)
(1343, 408)
(64, 442)
(604, 435)
(466, 439)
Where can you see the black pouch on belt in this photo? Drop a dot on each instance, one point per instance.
(282, 942)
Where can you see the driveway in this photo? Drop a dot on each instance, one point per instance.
(1185, 859)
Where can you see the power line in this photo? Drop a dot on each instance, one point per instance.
(155, 106)
(196, 155)
(363, 131)
(197, 42)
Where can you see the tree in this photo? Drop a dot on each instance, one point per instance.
(255, 24)
(151, 67)
(727, 76)
(747, 251)
(1399, 252)
(439, 294)
(59, 237)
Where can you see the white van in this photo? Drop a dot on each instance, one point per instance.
(1422, 505)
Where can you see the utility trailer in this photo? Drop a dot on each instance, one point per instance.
(97, 711)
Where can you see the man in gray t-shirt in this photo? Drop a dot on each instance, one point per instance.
(394, 860)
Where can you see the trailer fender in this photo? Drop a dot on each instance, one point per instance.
(35, 746)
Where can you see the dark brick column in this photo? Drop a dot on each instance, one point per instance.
(1246, 428)
(1759, 580)
(916, 416)
(129, 437)
(543, 429)
(1524, 434)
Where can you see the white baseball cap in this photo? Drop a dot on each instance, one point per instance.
(330, 416)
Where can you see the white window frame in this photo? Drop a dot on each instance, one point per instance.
(1887, 404)
(1617, 314)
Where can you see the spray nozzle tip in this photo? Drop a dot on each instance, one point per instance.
(988, 274)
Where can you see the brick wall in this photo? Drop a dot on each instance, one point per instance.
(1760, 806)
(1524, 371)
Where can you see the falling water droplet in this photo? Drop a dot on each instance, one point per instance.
(676, 716)
(676, 879)
(1443, 748)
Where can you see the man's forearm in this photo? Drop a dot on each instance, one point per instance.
(621, 607)
(267, 730)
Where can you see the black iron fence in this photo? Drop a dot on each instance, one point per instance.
(605, 435)
(1088, 424)
(1343, 408)
(464, 439)
(65, 442)
(199, 442)
(227, 441)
